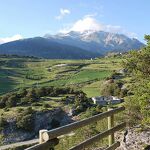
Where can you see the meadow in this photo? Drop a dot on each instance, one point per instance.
(87, 75)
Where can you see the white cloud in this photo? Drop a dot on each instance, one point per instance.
(89, 22)
(63, 12)
(132, 35)
(91, 15)
(9, 39)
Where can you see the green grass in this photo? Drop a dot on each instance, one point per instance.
(83, 77)
(88, 75)
(92, 89)
(6, 84)
(54, 102)
(77, 73)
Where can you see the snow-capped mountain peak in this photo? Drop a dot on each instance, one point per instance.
(99, 41)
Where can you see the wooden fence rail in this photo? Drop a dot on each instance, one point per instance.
(48, 139)
(98, 137)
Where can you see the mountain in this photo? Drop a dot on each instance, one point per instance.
(72, 45)
(97, 41)
(45, 48)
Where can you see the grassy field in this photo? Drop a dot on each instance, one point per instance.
(92, 89)
(87, 75)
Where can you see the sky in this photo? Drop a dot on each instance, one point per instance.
(29, 18)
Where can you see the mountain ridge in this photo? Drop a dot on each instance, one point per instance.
(71, 45)
(45, 48)
(98, 41)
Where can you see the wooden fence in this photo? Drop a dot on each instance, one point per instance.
(49, 139)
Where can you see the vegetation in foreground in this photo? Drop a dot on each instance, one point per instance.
(138, 102)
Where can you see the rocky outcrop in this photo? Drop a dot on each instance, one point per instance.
(134, 140)
(43, 120)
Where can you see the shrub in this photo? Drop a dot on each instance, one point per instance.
(3, 123)
(22, 92)
(31, 95)
(6, 109)
(11, 101)
(3, 101)
(19, 110)
(45, 105)
(25, 120)
(36, 104)
(114, 89)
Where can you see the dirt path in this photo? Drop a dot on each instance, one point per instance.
(34, 141)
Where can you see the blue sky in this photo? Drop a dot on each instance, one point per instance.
(29, 18)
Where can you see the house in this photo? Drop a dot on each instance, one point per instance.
(101, 100)
(116, 100)
(105, 100)
(123, 71)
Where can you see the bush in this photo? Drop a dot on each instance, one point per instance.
(36, 104)
(81, 102)
(26, 120)
(6, 109)
(146, 147)
(114, 89)
(45, 105)
(31, 95)
(11, 101)
(19, 110)
(3, 101)
(3, 123)
(22, 93)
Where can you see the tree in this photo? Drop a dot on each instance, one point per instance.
(41, 92)
(31, 95)
(111, 89)
(138, 65)
(3, 123)
(26, 122)
(11, 101)
(81, 102)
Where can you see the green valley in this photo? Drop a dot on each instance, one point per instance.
(16, 73)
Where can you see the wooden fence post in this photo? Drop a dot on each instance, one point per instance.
(110, 125)
(41, 139)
